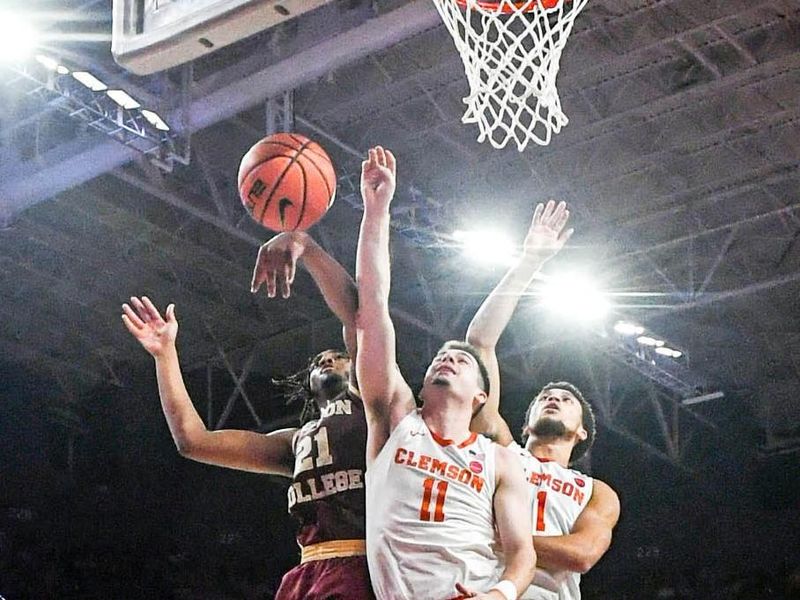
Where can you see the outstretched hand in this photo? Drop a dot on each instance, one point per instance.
(378, 178)
(276, 264)
(547, 236)
(155, 333)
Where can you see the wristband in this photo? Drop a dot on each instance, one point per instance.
(507, 588)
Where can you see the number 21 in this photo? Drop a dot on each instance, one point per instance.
(304, 460)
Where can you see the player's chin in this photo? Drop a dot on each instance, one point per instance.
(439, 380)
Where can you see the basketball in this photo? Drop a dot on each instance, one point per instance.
(287, 182)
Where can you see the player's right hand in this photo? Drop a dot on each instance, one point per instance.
(547, 234)
(378, 178)
(155, 333)
(277, 263)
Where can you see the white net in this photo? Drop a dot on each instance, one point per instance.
(511, 53)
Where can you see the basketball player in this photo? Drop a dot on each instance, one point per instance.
(435, 491)
(572, 514)
(324, 458)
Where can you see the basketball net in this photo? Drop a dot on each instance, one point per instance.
(511, 53)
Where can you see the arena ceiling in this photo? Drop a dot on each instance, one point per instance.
(680, 164)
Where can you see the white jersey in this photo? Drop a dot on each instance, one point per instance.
(558, 496)
(430, 518)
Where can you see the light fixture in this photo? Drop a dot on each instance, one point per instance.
(62, 70)
(575, 296)
(17, 37)
(664, 351)
(90, 81)
(626, 328)
(646, 340)
(48, 63)
(122, 98)
(155, 120)
(486, 246)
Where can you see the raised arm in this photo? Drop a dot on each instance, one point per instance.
(387, 397)
(243, 450)
(589, 539)
(276, 266)
(545, 238)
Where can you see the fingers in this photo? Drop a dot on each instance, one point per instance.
(170, 314)
(391, 162)
(564, 237)
(131, 317)
(465, 593)
(134, 329)
(537, 214)
(151, 309)
(258, 271)
(288, 278)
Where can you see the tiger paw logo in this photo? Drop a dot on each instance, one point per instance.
(283, 204)
(476, 467)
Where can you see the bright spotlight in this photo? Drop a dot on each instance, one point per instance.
(47, 62)
(90, 81)
(664, 351)
(122, 98)
(646, 340)
(155, 120)
(575, 296)
(17, 37)
(625, 328)
(486, 246)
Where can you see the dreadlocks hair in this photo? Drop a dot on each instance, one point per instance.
(297, 388)
(582, 447)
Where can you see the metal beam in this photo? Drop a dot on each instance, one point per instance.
(24, 185)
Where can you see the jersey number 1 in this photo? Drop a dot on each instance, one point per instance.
(541, 498)
(428, 495)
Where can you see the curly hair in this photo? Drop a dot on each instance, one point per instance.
(589, 424)
(296, 388)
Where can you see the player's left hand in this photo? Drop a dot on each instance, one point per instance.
(276, 264)
(378, 178)
(547, 234)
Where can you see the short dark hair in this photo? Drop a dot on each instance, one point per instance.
(472, 351)
(297, 387)
(589, 423)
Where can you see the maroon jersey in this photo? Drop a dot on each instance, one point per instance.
(327, 492)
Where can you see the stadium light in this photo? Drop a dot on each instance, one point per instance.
(646, 340)
(625, 328)
(17, 37)
(90, 81)
(664, 351)
(122, 98)
(575, 296)
(486, 246)
(155, 120)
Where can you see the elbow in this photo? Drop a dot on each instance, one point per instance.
(479, 341)
(583, 566)
(185, 447)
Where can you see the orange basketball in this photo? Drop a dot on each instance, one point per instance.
(287, 182)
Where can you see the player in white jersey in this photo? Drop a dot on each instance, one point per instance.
(572, 515)
(435, 491)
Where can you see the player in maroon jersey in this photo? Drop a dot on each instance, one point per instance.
(324, 458)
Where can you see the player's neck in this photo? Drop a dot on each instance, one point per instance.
(447, 419)
(556, 449)
(328, 393)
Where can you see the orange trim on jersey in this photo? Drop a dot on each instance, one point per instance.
(469, 440)
(446, 441)
(333, 549)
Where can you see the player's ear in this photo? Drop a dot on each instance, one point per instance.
(582, 433)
